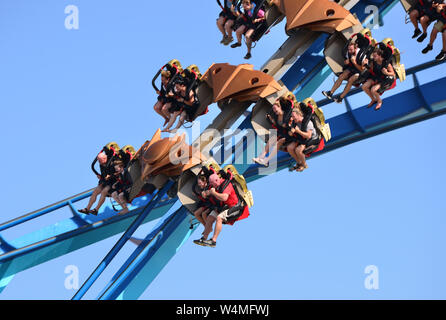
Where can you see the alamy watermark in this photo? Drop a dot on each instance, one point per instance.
(72, 18)
(371, 281)
(72, 280)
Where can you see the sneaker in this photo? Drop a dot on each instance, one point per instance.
(225, 38)
(338, 99)
(422, 37)
(416, 33)
(441, 56)
(427, 49)
(228, 40)
(209, 243)
(248, 56)
(235, 45)
(200, 241)
(328, 94)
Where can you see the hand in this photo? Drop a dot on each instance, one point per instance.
(158, 92)
(212, 191)
(204, 194)
(107, 177)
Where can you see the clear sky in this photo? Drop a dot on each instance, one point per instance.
(66, 93)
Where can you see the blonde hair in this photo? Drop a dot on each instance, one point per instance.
(166, 73)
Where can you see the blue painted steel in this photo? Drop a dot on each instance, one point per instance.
(121, 242)
(43, 211)
(158, 248)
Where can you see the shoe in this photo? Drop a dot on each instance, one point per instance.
(209, 243)
(84, 211)
(328, 94)
(94, 211)
(427, 49)
(248, 56)
(441, 56)
(422, 37)
(225, 38)
(235, 45)
(228, 41)
(338, 99)
(416, 33)
(200, 241)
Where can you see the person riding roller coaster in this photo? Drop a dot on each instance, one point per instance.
(424, 12)
(169, 73)
(439, 27)
(354, 57)
(228, 206)
(200, 189)
(120, 190)
(106, 159)
(226, 19)
(304, 135)
(251, 23)
(185, 102)
(381, 75)
(279, 117)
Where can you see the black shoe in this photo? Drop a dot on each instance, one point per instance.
(209, 243)
(248, 56)
(200, 242)
(328, 94)
(422, 37)
(338, 99)
(416, 33)
(441, 56)
(235, 45)
(427, 49)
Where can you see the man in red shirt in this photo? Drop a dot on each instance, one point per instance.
(226, 199)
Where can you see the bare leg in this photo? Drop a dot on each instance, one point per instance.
(198, 213)
(228, 28)
(173, 117)
(291, 148)
(248, 36)
(165, 110)
(123, 204)
(220, 25)
(103, 197)
(181, 121)
(376, 96)
(300, 155)
(344, 76)
(94, 196)
(424, 23)
(276, 147)
(208, 229)
(366, 88)
(433, 37)
(217, 229)
(414, 18)
(349, 85)
(239, 33)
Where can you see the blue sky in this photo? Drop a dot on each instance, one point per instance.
(66, 93)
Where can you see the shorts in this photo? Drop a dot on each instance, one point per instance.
(227, 15)
(424, 11)
(440, 26)
(350, 68)
(223, 215)
(176, 106)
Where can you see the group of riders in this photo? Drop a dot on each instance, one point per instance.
(425, 12)
(367, 63)
(245, 17)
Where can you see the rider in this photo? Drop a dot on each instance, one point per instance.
(424, 12)
(162, 95)
(439, 27)
(226, 20)
(249, 25)
(120, 190)
(225, 199)
(382, 77)
(279, 118)
(304, 134)
(351, 72)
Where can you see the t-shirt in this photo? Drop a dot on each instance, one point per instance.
(310, 126)
(232, 199)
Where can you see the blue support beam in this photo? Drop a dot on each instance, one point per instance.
(121, 242)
